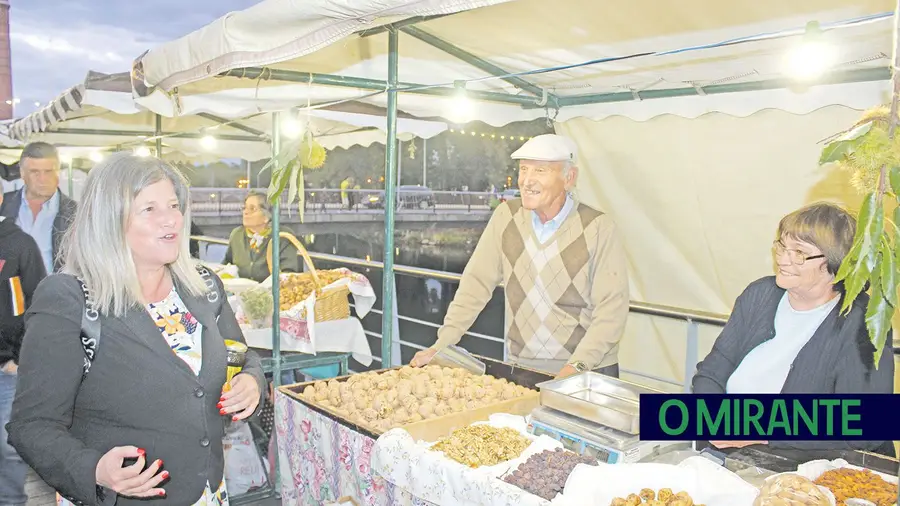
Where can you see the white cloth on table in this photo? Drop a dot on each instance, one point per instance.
(431, 476)
(339, 336)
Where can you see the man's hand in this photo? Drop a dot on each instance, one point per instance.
(423, 357)
(566, 371)
(736, 444)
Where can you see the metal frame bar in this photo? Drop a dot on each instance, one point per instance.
(390, 194)
(848, 76)
(476, 61)
(233, 124)
(529, 102)
(399, 24)
(361, 83)
(148, 134)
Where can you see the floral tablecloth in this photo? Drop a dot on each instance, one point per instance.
(321, 460)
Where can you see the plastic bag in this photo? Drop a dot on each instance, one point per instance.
(243, 467)
(790, 489)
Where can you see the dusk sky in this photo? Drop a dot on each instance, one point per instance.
(55, 43)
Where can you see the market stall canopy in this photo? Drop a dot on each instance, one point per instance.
(100, 112)
(282, 53)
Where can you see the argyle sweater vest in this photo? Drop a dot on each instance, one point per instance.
(566, 299)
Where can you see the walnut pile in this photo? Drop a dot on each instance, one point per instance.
(648, 497)
(384, 400)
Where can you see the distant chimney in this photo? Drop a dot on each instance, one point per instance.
(6, 89)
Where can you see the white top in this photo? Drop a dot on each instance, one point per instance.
(544, 231)
(765, 368)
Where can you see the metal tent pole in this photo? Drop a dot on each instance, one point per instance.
(390, 175)
(276, 257)
(158, 134)
(276, 296)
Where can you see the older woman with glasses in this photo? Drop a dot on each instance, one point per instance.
(248, 243)
(786, 333)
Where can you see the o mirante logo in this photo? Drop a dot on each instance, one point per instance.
(684, 417)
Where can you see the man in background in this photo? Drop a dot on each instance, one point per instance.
(21, 269)
(39, 208)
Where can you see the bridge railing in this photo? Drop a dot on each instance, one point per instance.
(693, 320)
(229, 201)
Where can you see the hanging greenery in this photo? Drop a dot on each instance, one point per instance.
(287, 169)
(870, 154)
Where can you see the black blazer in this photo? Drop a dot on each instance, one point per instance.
(137, 392)
(839, 358)
(12, 201)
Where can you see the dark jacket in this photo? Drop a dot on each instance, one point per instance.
(252, 264)
(137, 392)
(21, 269)
(838, 359)
(12, 201)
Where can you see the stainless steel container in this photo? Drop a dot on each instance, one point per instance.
(597, 398)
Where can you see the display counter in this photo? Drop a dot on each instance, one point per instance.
(323, 455)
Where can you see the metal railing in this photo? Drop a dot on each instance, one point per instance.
(229, 201)
(692, 318)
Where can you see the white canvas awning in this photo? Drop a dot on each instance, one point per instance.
(282, 38)
(101, 112)
(696, 182)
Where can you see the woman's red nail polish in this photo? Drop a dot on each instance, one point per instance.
(160, 462)
(141, 452)
(162, 493)
(219, 405)
(234, 418)
(221, 411)
(165, 476)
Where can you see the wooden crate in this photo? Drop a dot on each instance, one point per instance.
(433, 429)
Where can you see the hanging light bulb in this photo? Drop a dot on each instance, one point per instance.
(208, 142)
(461, 108)
(291, 128)
(142, 151)
(96, 156)
(812, 57)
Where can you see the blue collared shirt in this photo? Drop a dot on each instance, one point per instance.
(40, 228)
(544, 231)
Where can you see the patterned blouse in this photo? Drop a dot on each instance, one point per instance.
(182, 331)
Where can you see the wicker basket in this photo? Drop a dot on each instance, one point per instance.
(331, 304)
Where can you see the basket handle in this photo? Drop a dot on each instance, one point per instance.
(299, 245)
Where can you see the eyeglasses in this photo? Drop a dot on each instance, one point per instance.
(797, 257)
(251, 209)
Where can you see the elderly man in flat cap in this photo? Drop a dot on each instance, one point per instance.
(563, 266)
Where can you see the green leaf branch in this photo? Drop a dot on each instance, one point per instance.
(870, 153)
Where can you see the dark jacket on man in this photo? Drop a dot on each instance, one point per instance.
(838, 359)
(137, 392)
(12, 202)
(21, 269)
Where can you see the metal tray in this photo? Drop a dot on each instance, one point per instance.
(597, 398)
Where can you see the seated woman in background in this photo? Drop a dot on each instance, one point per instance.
(248, 243)
(786, 333)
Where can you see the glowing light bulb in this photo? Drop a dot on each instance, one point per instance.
(461, 109)
(142, 151)
(208, 142)
(291, 128)
(96, 156)
(812, 57)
